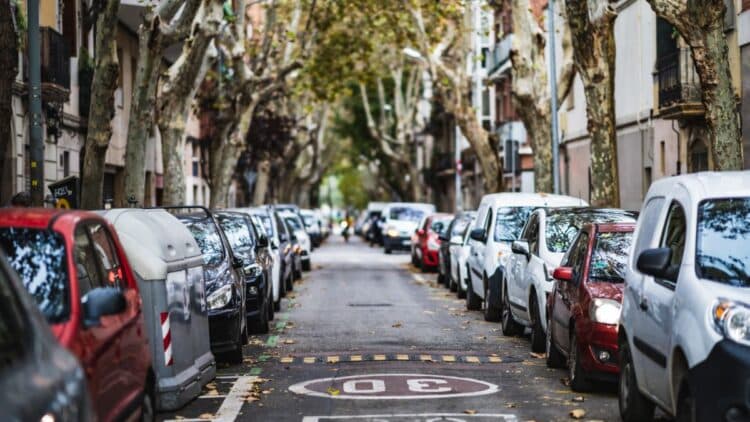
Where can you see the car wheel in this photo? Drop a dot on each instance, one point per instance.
(452, 285)
(555, 359)
(578, 380)
(491, 311)
(290, 281)
(306, 265)
(148, 405)
(685, 404)
(510, 326)
(538, 336)
(298, 273)
(387, 250)
(634, 406)
(473, 302)
(414, 261)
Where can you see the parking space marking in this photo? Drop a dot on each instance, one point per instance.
(255, 371)
(390, 357)
(449, 358)
(287, 360)
(332, 359)
(472, 359)
(425, 358)
(272, 341)
(378, 357)
(495, 359)
(402, 357)
(309, 360)
(355, 358)
(417, 417)
(233, 402)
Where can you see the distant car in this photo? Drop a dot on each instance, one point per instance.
(539, 250)
(428, 241)
(584, 305)
(72, 264)
(312, 227)
(500, 219)
(225, 284)
(458, 252)
(297, 226)
(400, 221)
(288, 248)
(30, 353)
(246, 245)
(685, 324)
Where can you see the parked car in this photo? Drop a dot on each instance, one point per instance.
(685, 324)
(72, 264)
(528, 280)
(288, 247)
(400, 220)
(312, 227)
(246, 245)
(584, 305)
(428, 241)
(458, 252)
(225, 284)
(281, 265)
(297, 227)
(40, 380)
(500, 219)
(374, 231)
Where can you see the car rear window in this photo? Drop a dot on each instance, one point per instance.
(609, 256)
(510, 221)
(405, 214)
(563, 224)
(38, 256)
(722, 252)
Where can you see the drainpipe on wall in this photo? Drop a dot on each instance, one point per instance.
(679, 148)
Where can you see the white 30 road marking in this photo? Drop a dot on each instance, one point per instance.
(232, 404)
(357, 387)
(422, 417)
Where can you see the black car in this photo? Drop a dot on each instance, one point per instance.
(456, 228)
(40, 380)
(225, 284)
(249, 247)
(374, 233)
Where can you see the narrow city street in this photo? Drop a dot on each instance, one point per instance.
(361, 314)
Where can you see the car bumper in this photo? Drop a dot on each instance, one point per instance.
(595, 339)
(720, 385)
(223, 326)
(402, 242)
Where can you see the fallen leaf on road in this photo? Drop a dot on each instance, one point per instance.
(332, 391)
(538, 355)
(212, 393)
(470, 412)
(396, 325)
(577, 413)
(578, 399)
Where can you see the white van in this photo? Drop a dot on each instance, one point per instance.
(500, 219)
(684, 336)
(400, 220)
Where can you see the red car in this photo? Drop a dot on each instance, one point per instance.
(72, 264)
(426, 241)
(583, 309)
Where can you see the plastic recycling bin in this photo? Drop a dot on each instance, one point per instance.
(168, 265)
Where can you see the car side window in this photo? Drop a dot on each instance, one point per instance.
(649, 222)
(532, 234)
(673, 236)
(282, 229)
(578, 259)
(488, 222)
(107, 256)
(87, 271)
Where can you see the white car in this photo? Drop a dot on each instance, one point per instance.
(528, 280)
(263, 220)
(684, 336)
(500, 218)
(297, 226)
(459, 252)
(400, 220)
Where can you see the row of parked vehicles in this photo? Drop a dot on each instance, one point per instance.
(656, 301)
(121, 313)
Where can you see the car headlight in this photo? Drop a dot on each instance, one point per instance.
(391, 232)
(433, 244)
(605, 311)
(732, 320)
(220, 298)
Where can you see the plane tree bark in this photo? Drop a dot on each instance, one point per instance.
(701, 25)
(8, 71)
(591, 25)
(99, 132)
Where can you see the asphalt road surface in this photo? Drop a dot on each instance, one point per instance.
(366, 337)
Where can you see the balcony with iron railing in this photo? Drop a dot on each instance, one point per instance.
(499, 54)
(679, 86)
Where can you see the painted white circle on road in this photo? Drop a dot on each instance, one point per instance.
(393, 387)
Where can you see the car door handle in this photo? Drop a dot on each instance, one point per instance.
(643, 304)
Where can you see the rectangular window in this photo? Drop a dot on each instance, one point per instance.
(66, 163)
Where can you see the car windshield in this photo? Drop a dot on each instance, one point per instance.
(723, 245)
(460, 226)
(609, 256)
(405, 214)
(293, 223)
(206, 234)
(238, 233)
(38, 256)
(439, 224)
(510, 221)
(563, 225)
(309, 220)
(267, 224)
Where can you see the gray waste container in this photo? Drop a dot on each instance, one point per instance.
(168, 264)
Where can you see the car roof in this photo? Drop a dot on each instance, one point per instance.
(705, 185)
(516, 199)
(40, 217)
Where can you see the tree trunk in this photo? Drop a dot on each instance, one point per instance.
(261, 182)
(8, 71)
(106, 71)
(594, 54)
(487, 154)
(701, 24)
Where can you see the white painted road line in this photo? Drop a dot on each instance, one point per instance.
(232, 404)
(420, 417)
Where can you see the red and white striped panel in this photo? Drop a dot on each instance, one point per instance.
(166, 339)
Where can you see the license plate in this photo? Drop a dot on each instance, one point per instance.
(406, 243)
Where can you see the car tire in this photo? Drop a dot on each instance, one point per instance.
(307, 265)
(491, 312)
(473, 302)
(685, 404)
(298, 273)
(387, 250)
(538, 335)
(510, 327)
(555, 359)
(148, 404)
(578, 380)
(260, 324)
(277, 303)
(634, 406)
(290, 281)
(452, 285)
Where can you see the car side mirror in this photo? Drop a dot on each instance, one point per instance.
(263, 241)
(521, 247)
(102, 301)
(563, 274)
(656, 263)
(478, 235)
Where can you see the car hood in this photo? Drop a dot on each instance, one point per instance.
(217, 276)
(606, 290)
